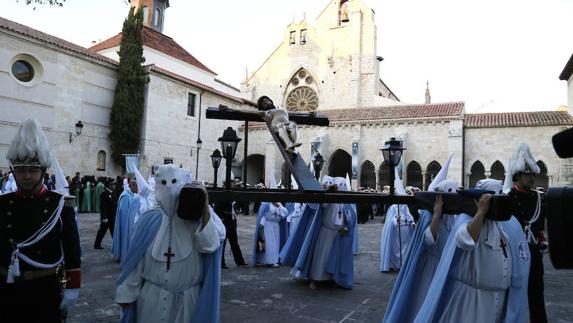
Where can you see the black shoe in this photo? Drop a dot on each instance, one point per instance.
(243, 265)
(224, 267)
(98, 247)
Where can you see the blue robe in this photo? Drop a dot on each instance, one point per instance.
(290, 251)
(121, 234)
(284, 233)
(441, 286)
(399, 306)
(207, 308)
(355, 243)
(132, 212)
(340, 261)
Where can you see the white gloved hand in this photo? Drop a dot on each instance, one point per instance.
(70, 298)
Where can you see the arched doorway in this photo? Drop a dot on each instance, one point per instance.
(477, 173)
(340, 164)
(497, 171)
(542, 180)
(383, 176)
(432, 170)
(414, 175)
(368, 175)
(255, 169)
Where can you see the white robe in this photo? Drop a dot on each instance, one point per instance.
(294, 217)
(482, 276)
(397, 236)
(170, 296)
(332, 221)
(272, 233)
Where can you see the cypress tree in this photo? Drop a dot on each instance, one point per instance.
(128, 105)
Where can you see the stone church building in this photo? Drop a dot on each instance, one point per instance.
(61, 83)
(331, 66)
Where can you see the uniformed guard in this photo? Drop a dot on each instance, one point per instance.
(38, 235)
(526, 206)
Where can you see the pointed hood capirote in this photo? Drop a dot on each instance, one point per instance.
(29, 146)
(441, 176)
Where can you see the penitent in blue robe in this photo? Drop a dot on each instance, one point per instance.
(283, 226)
(207, 308)
(290, 251)
(121, 234)
(340, 263)
(442, 283)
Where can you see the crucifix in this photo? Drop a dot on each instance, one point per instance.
(502, 244)
(282, 127)
(168, 254)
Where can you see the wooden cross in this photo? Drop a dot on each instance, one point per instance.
(168, 254)
(502, 244)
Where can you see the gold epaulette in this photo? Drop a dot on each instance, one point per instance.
(70, 201)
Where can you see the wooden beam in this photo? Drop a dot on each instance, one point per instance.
(300, 118)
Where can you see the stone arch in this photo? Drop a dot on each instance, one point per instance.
(542, 179)
(477, 172)
(432, 170)
(255, 164)
(340, 163)
(383, 176)
(497, 171)
(414, 175)
(367, 175)
(101, 161)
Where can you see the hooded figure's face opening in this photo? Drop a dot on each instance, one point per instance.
(28, 178)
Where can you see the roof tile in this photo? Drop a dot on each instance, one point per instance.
(518, 119)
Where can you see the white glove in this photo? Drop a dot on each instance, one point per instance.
(70, 298)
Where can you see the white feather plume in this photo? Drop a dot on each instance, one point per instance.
(521, 159)
(30, 142)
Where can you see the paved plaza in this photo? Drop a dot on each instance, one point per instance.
(271, 295)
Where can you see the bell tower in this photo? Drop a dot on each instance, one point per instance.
(153, 12)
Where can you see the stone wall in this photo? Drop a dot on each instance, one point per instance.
(67, 88)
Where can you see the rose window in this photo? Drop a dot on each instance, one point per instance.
(302, 99)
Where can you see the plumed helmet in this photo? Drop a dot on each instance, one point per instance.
(29, 146)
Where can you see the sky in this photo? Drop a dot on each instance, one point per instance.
(495, 55)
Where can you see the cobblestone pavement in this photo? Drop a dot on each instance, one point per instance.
(270, 295)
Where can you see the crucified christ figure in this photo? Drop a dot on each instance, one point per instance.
(278, 120)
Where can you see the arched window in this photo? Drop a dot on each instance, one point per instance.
(383, 176)
(432, 170)
(542, 180)
(157, 17)
(101, 160)
(414, 175)
(301, 92)
(368, 175)
(477, 173)
(497, 171)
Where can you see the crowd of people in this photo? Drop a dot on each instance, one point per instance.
(170, 241)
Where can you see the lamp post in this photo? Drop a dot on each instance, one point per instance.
(79, 127)
(216, 162)
(317, 164)
(392, 152)
(199, 144)
(229, 143)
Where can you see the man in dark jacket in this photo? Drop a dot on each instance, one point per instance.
(108, 206)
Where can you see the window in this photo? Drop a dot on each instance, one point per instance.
(23, 71)
(101, 160)
(293, 37)
(167, 160)
(303, 36)
(191, 105)
(157, 17)
(145, 14)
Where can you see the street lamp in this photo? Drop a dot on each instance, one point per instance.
(199, 144)
(392, 152)
(229, 143)
(216, 162)
(317, 164)
(79, 127)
